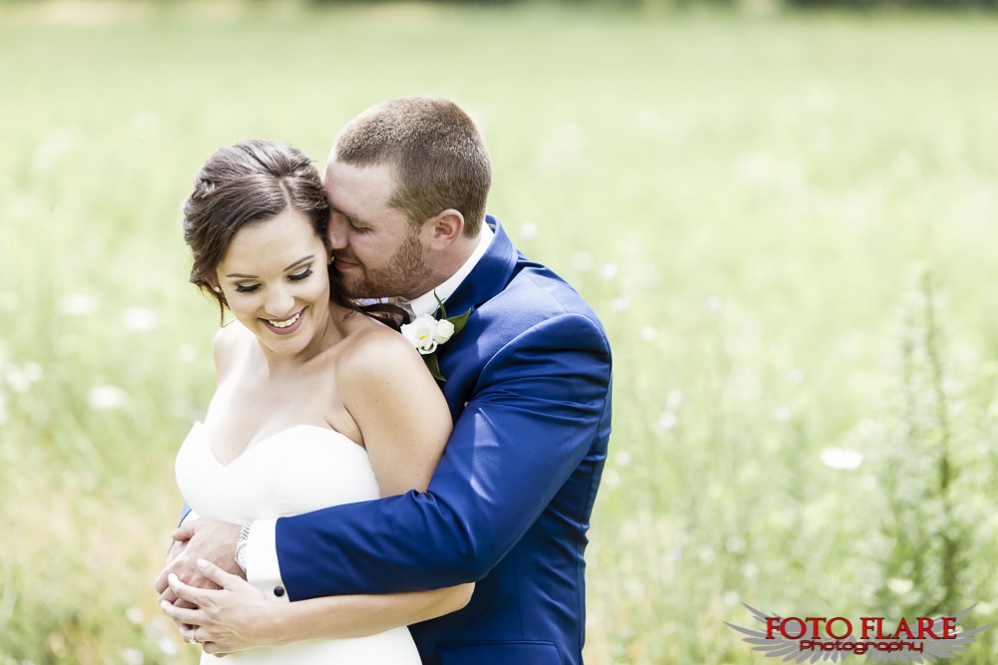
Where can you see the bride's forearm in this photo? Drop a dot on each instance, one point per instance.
(341, 617)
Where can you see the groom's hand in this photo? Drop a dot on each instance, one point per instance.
(199, 539)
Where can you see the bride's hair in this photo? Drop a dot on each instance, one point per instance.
(252, 181)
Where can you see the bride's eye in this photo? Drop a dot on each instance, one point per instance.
(246, 288)
(300, 275)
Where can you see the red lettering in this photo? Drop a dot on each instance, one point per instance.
(949, 628)
(925, 628)
(783, 628)
(815, 621)
(903, 626)
(844, 635)
(772, 623)
(869, 623)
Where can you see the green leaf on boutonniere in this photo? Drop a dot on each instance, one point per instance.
(433, 365)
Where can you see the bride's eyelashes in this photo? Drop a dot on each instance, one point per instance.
(297, 277)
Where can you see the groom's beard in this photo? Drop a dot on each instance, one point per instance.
(405, 268)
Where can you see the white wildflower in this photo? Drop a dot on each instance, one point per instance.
(133, 656)
(187, 353)
(582, 261)
(103, 398)
(528, 230)
(666, 421)
(649, 334)
(713, 304)
(610, 271)
(620, 304)
(78, 305)
(140, 318)
(842, 459)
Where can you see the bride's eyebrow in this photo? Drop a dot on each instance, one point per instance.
(298, 262)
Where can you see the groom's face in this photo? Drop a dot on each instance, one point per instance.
(377, 251)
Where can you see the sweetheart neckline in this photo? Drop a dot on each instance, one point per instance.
(340, 436)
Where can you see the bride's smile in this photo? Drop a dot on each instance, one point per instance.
(274, 279)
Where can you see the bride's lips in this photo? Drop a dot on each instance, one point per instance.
(289, 329)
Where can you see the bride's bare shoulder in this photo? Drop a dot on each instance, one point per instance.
(371, 348)
(231, 341)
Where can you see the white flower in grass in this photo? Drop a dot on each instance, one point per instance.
(899, 586)
(133, 656)
(713, 304)
(21, 378)
(188, 353)
(140, 318)
(649, 334)
(78, 305)
(425, 333)
(841, 459)
(620, 304)
(528, 230)
(167, 646)
(103, 398)
(610, 271)
(666, 421)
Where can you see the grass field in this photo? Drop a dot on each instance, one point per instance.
(784, 222)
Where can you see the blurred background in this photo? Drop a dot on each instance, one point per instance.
(782, 211)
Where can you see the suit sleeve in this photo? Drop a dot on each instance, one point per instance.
(535, 413)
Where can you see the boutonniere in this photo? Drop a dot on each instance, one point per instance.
(427, 333)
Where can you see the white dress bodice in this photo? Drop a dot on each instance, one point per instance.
(297, 470)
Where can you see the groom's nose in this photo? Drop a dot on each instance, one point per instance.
(337, 232)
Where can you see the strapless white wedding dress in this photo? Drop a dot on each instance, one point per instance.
(295, 471)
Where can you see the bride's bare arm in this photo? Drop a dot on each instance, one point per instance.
(404, 421)
(398, 407)
(238, 616)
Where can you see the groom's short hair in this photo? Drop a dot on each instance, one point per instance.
(439, 157)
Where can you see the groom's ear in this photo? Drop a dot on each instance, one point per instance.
(444, 229)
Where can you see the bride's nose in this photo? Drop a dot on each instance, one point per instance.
(280, 303)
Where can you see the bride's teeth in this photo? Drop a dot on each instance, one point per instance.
(286, 323)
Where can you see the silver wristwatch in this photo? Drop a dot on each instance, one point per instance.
(241, 546)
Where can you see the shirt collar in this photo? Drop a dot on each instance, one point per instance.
(427, 303)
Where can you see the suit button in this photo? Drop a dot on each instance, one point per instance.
(278, 591)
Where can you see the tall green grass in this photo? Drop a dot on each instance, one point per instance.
(748, 204)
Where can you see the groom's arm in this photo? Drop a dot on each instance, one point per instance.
(533, 419)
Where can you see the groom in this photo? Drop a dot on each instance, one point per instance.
(528, 384)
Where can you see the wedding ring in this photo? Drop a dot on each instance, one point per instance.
(194, 635)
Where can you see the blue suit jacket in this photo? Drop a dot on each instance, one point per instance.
(528, 384)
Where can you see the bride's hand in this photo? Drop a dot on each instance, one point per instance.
(232, 618)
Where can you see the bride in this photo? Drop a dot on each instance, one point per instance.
(318, 403)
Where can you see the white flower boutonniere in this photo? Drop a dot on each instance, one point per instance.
(426, 333)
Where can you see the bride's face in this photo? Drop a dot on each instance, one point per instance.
(275, 282)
